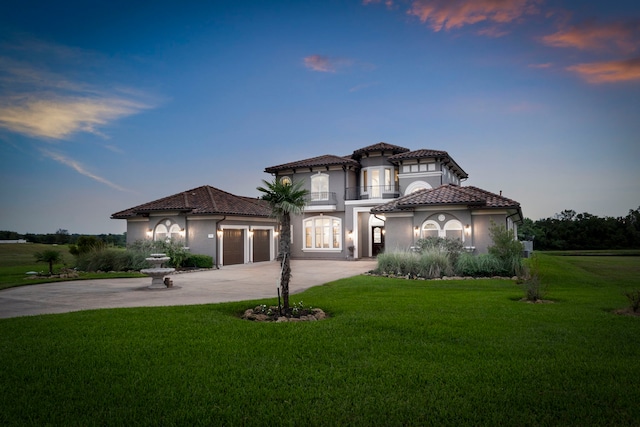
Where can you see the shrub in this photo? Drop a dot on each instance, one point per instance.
(453, 247)
(198, 261)
(530, 281)
(399, 263)
(506, 248)
(483, 265)
(634, 300)
(434, 263)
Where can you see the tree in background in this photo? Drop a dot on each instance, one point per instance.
(50, 256)
(285, 199)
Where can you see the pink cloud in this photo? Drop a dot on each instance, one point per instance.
(320, 63)
(327, 64)
(591, 36)
(450, 14)
(608, 71)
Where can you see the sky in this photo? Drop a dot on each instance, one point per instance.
(105, 105)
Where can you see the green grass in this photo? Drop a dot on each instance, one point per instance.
(395, 352)
(17, 259)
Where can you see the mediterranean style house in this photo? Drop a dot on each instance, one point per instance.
(387, 197)
(380, 197)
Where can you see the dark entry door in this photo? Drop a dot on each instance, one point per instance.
(261, 246)
(233, 247)
(377, 240)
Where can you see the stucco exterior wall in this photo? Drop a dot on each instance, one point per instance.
(481, 221)
(399, 234)
(137, 229)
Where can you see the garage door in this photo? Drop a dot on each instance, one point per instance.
(261, 246)
(233, 247)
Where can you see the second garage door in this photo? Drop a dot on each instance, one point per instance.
(233, 247)
(261, 246)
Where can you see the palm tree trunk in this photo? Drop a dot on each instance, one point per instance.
(285, 262)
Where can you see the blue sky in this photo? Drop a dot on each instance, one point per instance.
(105, 105)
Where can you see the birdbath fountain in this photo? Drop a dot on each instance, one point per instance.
(157, 272)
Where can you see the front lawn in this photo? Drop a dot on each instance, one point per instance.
(395, 352)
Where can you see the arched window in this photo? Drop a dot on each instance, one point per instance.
(322, 233)
(453, 230)
(320, 187)
(166, 230)
(417, 186)
(430, 229)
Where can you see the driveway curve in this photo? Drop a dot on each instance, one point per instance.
(230, 283)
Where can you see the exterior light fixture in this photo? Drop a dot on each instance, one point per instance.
(467, 229)
(149, 233)
(219, 231)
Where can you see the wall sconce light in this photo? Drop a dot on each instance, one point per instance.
(219, 232)
(350, 234)
(416, 230)
(276, 233)
(467, 229)
(182, 232)
(149, 233)
(250, 233)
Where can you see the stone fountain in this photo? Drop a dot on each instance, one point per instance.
(157, 272)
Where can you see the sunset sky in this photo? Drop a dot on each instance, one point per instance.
(105, 105)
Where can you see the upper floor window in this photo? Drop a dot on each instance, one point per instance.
(285, 180)
(322, 233)
(320, 187)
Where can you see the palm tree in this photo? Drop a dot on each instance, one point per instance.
(285, 199)
(49, 255)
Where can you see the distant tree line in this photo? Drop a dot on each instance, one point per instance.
(570, 231)
(62, 237)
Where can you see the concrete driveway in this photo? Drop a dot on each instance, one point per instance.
(231, 283)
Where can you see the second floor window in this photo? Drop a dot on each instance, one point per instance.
(320, 187)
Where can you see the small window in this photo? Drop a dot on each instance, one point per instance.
(406, 169)
(423, 168)
(285, 180)
(431, 167)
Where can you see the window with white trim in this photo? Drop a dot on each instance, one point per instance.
(166, 230)
(452, 230)
(320, 187)
(322, 233)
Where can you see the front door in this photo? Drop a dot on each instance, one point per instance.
(377, 241)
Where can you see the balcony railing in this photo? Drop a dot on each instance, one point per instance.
(372, 192)
(321, 198)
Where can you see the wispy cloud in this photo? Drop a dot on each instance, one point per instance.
(73, 164)
(542, 65)
(44, 91)
(61, 116)
(326, 64)
(449, 14)
(608, 71)
(623, 37)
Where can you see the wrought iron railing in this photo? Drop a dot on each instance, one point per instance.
(321, 198)
(372, 192)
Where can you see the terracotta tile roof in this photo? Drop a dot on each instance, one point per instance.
(419, 154)
(325, 160)
(199, 201)
(380, 146)
(429, 154)
(448, 194)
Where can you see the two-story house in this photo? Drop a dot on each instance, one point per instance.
(386, 196)
(379, 197)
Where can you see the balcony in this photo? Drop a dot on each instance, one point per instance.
(372, 192)
(322, 198)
